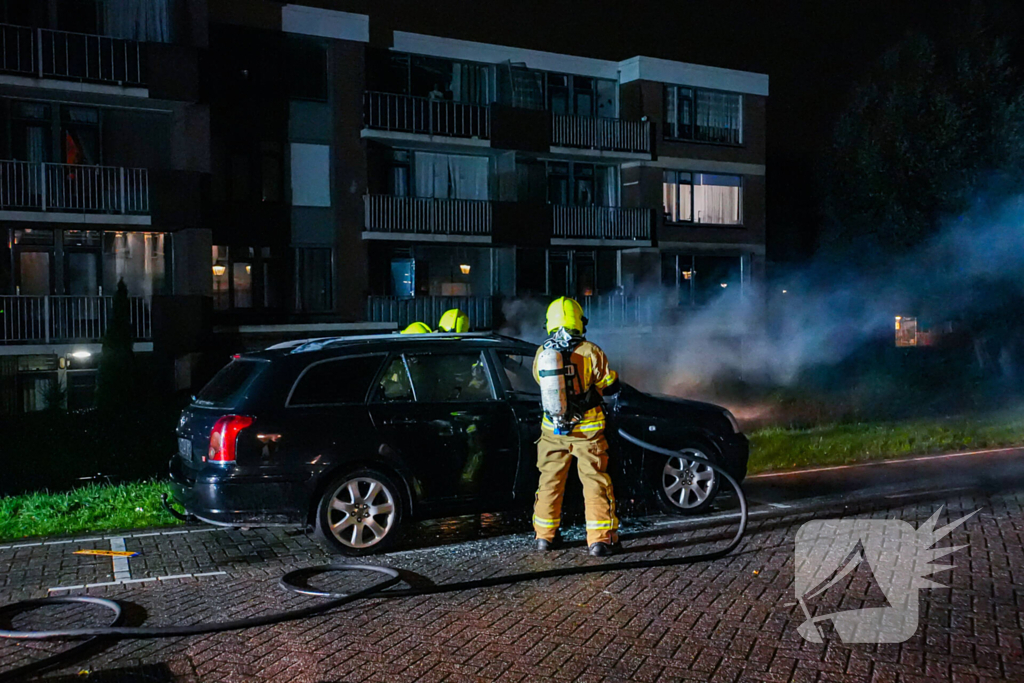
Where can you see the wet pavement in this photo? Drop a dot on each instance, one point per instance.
(733, 619)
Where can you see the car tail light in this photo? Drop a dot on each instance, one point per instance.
(224, 436)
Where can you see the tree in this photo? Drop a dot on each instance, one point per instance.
(115, 381)
(932, 127)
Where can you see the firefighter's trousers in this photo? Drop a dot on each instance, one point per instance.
(554, 456)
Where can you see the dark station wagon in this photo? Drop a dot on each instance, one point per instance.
(356, 435)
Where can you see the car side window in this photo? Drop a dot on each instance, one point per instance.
(395, 384)
(519, 370)
(438, 378)
(335, 381)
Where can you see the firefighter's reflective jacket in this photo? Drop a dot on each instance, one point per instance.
(592, 373)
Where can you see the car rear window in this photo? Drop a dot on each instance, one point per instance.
(225, 386)
(336, 381)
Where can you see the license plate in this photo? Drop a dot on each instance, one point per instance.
(185, 448)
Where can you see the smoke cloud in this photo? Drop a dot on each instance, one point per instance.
(831, 322)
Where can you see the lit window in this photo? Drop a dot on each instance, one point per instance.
(703, 115)
(702, 198)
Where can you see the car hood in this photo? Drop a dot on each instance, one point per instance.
(706, 415)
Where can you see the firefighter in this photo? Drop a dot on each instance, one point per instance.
(453, 320)
(574, 377)
(417, 328)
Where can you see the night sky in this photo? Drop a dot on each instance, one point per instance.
(814, 51)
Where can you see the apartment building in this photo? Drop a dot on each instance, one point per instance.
(103, 153)
(394, 173)
(270, 169)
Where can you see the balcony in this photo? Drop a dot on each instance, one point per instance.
(67, 319)
(601, 134)
(426, 217)
(601, 223)
(36, 189)
(428, 309)
(618, 311)
(43, 53)
(425, 116)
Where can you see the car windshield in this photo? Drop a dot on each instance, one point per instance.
(223, 389)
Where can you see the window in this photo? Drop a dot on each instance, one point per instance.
(450, 377)
(307, 69)
(30, 131)
(519, 370)
(241, 276)
(703, 115)
(314, 273)
(272, 171)
(334, 382)
(221, 286)
(399, 173)
(247, 277)
(136, 257)
(702, 198)
(450, 176)
(395, 385)
(80, 135)
(229, 382)
(582, 184)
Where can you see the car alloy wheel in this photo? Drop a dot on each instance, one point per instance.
(687, 482)
(361, 512)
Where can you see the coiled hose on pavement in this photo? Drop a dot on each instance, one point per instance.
(91, 636)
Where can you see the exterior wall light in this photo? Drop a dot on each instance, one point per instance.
(465, 268)
(81, 354)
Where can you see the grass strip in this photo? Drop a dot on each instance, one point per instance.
(95, 507)
(777, 448)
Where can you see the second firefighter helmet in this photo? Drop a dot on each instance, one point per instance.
(567, 313)
(453, 320)
(417, 328)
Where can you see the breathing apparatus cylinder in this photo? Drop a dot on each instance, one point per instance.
(556, 373)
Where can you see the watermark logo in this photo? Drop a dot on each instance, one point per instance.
(897, 555)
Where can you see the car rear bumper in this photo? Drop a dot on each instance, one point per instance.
(234, 498)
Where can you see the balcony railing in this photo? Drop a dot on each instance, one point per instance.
(387, 213)
(67, 319)
(407, 114)
(428, 309)
(616, 311)
(601, 222)
(33, 186)
(591, 132)
(71, 56)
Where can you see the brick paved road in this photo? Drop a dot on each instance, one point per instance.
(728, 620)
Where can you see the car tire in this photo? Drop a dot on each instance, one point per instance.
(682, 486)
(359, 513)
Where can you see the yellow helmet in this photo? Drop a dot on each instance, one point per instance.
(453, 320)
(417, 328)
(567, 313)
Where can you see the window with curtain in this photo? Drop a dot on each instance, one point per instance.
(450, 176)
(141, 20)
(702, 198)
(138, 258)
(703, 115)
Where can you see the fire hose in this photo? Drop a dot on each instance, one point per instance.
(292, 581)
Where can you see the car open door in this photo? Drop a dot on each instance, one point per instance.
(515, 370)
(441, 413)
